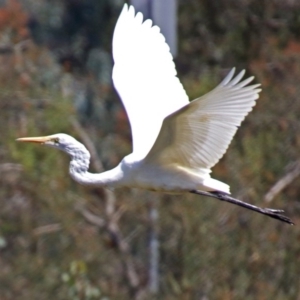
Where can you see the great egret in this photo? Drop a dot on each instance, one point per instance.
(175, 142)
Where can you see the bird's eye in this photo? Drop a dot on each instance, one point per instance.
(56, 141)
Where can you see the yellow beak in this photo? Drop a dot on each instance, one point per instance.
(39, 140)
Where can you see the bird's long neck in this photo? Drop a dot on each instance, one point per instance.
(80, 160)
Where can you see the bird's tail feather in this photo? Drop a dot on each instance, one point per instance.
(215, 185)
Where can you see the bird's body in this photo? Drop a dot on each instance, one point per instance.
(175, 142)
(138, 173)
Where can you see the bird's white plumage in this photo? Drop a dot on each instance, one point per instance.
(196, 136)
(144, 75)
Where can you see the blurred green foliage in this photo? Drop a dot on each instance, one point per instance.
(79, 285)
(208, 250)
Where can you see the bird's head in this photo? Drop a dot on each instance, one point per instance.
(59, 141)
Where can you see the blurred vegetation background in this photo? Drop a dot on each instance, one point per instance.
(59, 240)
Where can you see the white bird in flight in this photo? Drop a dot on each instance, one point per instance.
(175, 142)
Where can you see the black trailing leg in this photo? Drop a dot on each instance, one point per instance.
(272, 213)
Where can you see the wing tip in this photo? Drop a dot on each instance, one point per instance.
(127, 10)
(131, 9)
(235, 81)
(228, 77)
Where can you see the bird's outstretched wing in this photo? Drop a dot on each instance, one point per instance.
(144, 75)
(197, 135)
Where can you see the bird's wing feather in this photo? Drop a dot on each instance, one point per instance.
(197, 135)
(144, 75)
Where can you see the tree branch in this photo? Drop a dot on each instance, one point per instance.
(283, 182)
(47, 229)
